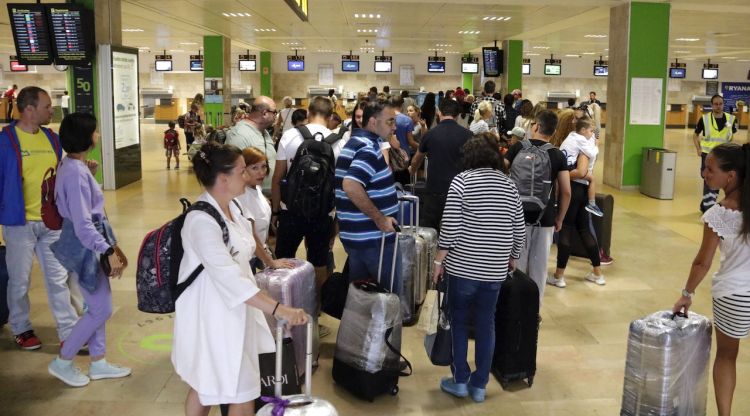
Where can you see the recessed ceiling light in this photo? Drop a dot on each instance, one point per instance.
(688, 39)
(728, 57)
(366, 15)
(452, 52)
(325, 50)
(595, 36)
(681, 51)
(176, 50)
(496, 18)
(541, 47)
(132, 30)
(444, 45)
(265, 30)
(532, 54)
(572, 56)
(743, 60)
(468, 32)
(367, 31)
(588, 53)
(188, 43)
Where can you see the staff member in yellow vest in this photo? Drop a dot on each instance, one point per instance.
(717, 127)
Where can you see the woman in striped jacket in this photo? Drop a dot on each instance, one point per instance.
(482, 234)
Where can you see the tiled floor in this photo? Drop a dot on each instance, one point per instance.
(582, 342)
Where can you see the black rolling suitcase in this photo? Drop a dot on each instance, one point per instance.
(516, 330)
(602, 228)
(366, 361)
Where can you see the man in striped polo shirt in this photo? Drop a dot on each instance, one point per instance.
(366, 202)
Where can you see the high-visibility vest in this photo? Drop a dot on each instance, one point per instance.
(712, 136)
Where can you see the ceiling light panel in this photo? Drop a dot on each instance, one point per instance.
(132, 30)
(367, 31)
(541, 47)
(443, 45)
(468, 32)
(595, 36)
(687, 39)
(367, 15)
(235, 14)
(496, 18)
(264, 30)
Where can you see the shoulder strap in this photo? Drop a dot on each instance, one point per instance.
(208, 209)
(333, 138)
(547, 146)
(54, 141)
(305, 132)
(526, 143)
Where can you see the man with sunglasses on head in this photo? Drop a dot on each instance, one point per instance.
(252, 131)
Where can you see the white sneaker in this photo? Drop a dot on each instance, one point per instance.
(67, 373)
(552, 280)
(599, 280)
(102, 369)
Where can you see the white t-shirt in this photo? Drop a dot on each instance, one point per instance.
(574, 145)
(286, 117)
(256, 207)
(291, 140)
(733, 276)
(65, 101)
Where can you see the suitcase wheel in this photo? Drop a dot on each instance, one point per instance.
(530, 381)
(394, 391)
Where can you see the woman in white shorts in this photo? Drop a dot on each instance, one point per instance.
(727, 226)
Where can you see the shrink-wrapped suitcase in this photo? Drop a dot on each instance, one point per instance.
(666, 372)
(299, 404)
(366, 360)
(296, 288)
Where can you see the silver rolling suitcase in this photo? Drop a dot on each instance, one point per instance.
(295, 288)
(299, 404)
(416, 254)
(666, 372)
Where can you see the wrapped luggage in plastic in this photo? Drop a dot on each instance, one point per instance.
(407, 244)
(666, 372)
(367, 319)
(296, 288)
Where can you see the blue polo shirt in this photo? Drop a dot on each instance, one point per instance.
(404, 126)
(361, 160)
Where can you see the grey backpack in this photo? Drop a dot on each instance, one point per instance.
(531, 171)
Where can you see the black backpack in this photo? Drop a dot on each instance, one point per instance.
(308, 189)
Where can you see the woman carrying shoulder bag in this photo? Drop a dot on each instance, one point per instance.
(87, 249)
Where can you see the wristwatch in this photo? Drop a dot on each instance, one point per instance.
(687, 294)
(110, 251)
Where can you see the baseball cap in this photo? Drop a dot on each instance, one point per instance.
(517, 131)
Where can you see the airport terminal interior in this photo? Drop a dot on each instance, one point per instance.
(583, 335)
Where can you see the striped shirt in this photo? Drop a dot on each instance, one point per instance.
(483, 225)
(361, 160)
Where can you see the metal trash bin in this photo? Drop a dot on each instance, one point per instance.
(658, 173)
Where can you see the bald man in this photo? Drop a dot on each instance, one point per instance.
(252, 131)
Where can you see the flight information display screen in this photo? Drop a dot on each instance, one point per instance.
(30, 33)
(72, 37)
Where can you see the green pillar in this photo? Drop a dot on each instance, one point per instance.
(265, 74)
(467, 82)
(217, 79)
(513, 51)
(638, 61)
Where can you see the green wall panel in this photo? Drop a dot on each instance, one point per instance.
(266, 85)
(648, 58)
(514, 55)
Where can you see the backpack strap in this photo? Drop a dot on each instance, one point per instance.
(305, 132)
(546, 146)
(333, 138)
(210, 210)
(526, 143)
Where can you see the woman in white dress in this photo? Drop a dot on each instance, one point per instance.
(219, 327)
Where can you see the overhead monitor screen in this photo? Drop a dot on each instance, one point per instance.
(30, 33)
(470, 68)
(295, 65)
(350, 66)
(712, 73)
(196, 65)
(677, 72)
(383, 66)
(247, 64)
(550, 69)
(16, 67)
(72, 33)
(526, 69)
(493, 62)
(438, 67)
(601, 70)
(163, 64)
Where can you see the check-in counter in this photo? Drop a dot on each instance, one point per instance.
(151, 98)
(677, 116)
(166, 110)
(4, 111)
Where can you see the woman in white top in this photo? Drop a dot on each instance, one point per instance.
(219, 326)
(525, 116)
(727, 226)
(257, 210)
(481, 115)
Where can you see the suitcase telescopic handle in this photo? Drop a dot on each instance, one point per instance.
(393, 259)
(415, 211)
(280, 357)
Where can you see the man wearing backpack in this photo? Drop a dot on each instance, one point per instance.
(537, 192)
(27, 151)
(310, 216)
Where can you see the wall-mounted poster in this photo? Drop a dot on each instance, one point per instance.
(125, 98)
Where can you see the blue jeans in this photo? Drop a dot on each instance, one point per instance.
(22, 243)
(363, 264)
(463, 296)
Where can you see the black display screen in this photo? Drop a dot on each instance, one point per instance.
(72, 33)
(30, 33)
(493, 62)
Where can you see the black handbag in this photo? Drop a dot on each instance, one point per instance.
(439, 345)
(334, 291)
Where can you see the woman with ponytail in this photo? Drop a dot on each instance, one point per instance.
(727, 226)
